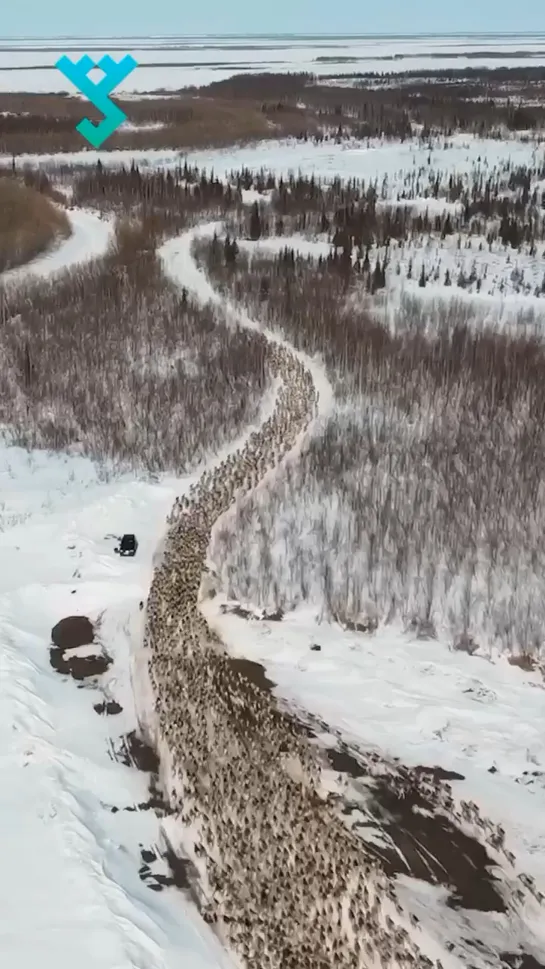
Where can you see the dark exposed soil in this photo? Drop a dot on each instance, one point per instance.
(236, 610)
(148, 855)
(155, 802)
(438, 773)
(79, 667)
(427, 846)
(343, 762)
(363, 626)
(134, 752)
(184, 873)
(108, 707)
(72, 632)
(435, 850)
(254, 672)
(181, 870)
(526, 663)
(520, 960)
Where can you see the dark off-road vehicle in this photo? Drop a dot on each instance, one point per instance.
(128, 545)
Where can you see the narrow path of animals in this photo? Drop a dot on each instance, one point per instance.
(283, 879)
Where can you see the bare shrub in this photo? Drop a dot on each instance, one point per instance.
(465, 644)
(114, 358)
(423, 495)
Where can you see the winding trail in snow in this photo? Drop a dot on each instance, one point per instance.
(194, 728)
(90, 238)
(242, 778)
(181, 267)
(135, 927)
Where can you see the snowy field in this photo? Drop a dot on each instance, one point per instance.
(399, 163)
(70, 887)
(501, 287)
(176, 62)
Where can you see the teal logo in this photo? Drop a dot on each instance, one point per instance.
(98, 93)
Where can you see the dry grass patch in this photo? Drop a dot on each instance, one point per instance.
(29, 223)
(38, 124)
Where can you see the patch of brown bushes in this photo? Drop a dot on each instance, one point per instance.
(47, 123)
(29, 223)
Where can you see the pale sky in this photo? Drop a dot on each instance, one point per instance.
(102, 18)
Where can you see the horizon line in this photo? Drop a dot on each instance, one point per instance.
(288, 34)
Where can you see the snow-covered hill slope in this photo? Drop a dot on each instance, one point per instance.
(71, 891)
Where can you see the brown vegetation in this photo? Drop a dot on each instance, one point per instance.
(147, 378)
(47, 123)
(29, 223)
(480, 100)
(426, 418)
(432, 405)
(247, 107)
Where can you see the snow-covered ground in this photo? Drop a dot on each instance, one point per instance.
(409, 699)
(398, 163)
(71, 890)
(173, 62)
(400, 166)
(502, 286)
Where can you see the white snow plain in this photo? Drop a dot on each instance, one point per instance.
(400, 164)
(170, 63)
